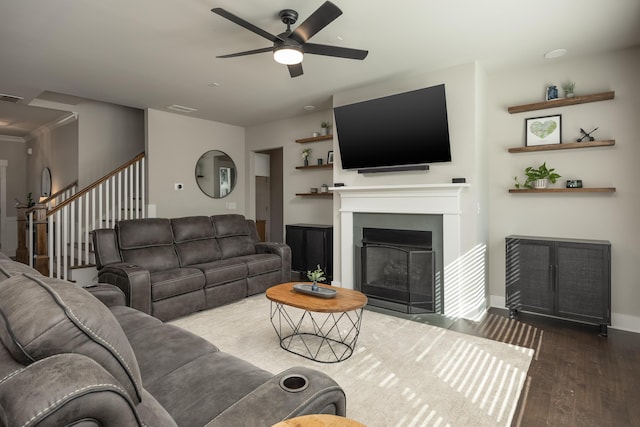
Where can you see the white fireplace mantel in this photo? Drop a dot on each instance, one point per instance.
(439, 199)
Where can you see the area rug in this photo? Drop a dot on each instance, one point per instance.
(402, 372)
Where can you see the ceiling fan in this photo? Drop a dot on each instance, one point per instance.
(289, 47)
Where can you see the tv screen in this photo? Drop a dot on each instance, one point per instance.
(409, 128)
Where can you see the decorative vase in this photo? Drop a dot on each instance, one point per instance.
(325, 131)
(306, 162)
(570, 94)
(540, 183)
(314, 286)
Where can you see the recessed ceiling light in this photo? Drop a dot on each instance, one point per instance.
(309, 107)
(556, 53)
(214, 84)
(339, 38)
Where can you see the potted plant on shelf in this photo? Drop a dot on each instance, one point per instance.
(325, 125)
(538, 177)
(305, 156)
(568, 89)
(316, 276)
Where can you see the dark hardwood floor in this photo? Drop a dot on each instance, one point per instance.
(576, 378)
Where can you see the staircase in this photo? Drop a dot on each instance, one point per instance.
(60, 225)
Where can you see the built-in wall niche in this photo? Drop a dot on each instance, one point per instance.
(399, 221)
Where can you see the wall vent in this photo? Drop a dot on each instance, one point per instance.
(181, 108)
(10, 98)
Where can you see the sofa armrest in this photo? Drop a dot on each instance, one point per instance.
(109, 295)
(133, 280)
(283, 251)
(273, 401)
(65, 389)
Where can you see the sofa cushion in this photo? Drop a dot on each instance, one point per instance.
(9, 268)
(142, 233)
(153, 258)
(235, 246)
(223, 271)
(176, 281)
(230, 225)
(192, 228)
(261, 263)
(69, 320)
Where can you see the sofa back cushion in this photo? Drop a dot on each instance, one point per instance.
(195, 241)
(233, 234)
(148, 243)
(42, 317)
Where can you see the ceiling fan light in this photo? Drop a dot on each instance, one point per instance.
(288, 55)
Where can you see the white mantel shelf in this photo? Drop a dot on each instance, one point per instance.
(408, 198)
(364, 188)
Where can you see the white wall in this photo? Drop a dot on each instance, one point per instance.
(283, 133)
(108, 136)
(605, 216)
(464, 85)
(56, 149)
(174, 145)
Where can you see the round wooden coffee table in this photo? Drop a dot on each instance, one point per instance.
(319, 420)
(321, 329)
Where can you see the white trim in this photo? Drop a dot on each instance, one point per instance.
(9, 138)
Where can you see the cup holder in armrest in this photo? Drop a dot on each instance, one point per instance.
(294, 383)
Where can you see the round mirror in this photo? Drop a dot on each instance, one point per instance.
(45, 182)
(216, 174)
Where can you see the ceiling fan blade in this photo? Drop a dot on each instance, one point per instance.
(295, 70)
(319, 19)
(340, 52)
(247, 52)
(249, 26)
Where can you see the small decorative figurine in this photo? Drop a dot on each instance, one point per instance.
(586, 136)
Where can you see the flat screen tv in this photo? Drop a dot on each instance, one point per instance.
(409, 128)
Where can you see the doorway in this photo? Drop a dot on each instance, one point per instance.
(269, 197)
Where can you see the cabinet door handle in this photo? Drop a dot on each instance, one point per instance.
(551, 277)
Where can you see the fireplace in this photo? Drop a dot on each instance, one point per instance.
(396, 269)
(445, 200)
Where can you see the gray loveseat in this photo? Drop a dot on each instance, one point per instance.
(67, 359)
(172, 267)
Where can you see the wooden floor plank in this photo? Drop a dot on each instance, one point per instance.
(576, 377)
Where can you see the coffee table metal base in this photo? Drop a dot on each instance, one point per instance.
(322, 337)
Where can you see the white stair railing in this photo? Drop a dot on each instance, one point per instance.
(117, 196)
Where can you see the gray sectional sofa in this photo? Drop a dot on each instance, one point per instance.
(67, 359)
(172, 267)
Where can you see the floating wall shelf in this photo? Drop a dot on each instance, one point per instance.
(314, 194)
(314, 139)
(563, 190)
(322, 166)
(564, 146)
(562, 102)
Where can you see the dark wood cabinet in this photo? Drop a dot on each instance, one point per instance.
(564, 278)
(311, 245)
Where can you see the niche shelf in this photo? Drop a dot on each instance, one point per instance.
(314, 194)
(564, 190)
(563, 146)
(315, 139)
(561, 102)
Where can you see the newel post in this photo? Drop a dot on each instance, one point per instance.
(41, 257)
(22, 252)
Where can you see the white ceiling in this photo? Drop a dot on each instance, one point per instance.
(152, 54)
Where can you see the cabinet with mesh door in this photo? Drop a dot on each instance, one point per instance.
(563, 278)
(311, 245)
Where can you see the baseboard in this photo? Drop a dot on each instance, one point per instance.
(622, 322)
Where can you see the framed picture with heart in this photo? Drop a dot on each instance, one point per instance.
(543, 130)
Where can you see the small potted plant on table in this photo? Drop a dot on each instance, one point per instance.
(316, 276)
